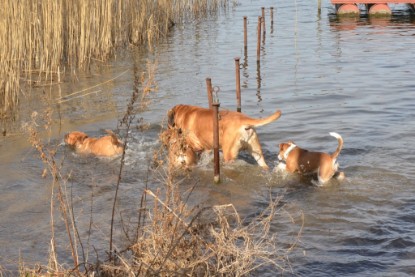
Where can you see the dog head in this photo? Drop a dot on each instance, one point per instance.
(180, 153)
(285, 149)
(75, 138)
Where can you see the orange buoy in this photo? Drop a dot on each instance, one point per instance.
(380, 9)
(348, 9)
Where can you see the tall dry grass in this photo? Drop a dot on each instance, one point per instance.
(41, 39)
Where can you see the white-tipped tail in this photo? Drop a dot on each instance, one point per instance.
(339, 148)
(336, 135)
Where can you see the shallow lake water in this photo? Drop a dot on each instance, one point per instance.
(351, 76)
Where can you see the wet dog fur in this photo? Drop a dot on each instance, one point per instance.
(236, 130)
(106, 146)
(306, 162)
(180, 154)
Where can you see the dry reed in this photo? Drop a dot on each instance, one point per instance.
(41, 39)
(59, 195)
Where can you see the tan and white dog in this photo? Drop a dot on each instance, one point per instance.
(236, 130)
(307, 162)
(106, 146)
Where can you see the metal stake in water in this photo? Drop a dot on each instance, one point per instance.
(238, 84)
(216, 170)
(258, 45)
(209, 91)
(245, 36)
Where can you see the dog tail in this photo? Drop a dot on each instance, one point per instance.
(266, 120)
(339, 147)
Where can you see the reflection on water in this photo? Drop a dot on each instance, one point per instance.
(352, 76)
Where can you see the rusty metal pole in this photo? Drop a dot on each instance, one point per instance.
(263, 21)
(216, 176)
(209, 91)
(245, 34)
(258, 45)
(238, 84)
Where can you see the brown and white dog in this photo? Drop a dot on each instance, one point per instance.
(106, 146)
(307, 162)
(236, 130)
(180, 154)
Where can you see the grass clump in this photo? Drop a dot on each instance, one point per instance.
(211, 241)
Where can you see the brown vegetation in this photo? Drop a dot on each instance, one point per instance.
(42, 39)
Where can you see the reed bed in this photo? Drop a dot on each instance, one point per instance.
(42, 39)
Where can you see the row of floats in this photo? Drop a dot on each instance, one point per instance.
(373, 7)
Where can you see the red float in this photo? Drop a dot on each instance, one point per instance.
(380, 9)
(349, 9)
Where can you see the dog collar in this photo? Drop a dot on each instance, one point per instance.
(292, 146)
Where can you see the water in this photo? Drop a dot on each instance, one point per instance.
(325, 74)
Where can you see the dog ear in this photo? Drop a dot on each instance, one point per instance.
(82, 138)
(170, 118)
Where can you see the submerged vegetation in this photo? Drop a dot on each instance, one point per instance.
(42, 39)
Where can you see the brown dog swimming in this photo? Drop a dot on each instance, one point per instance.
(106, 146)
(236, 130)
(307, 162)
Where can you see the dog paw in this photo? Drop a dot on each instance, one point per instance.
(280, 167)
(340, 176)
(317, 183)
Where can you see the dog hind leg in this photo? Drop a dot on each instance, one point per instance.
(254, 148)
(323, 176)
(230, 151)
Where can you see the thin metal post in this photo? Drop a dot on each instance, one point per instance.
(258, 45)
(238, 84)
(245, 34)
(216, 176)
(263, 20)
(209, 91)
